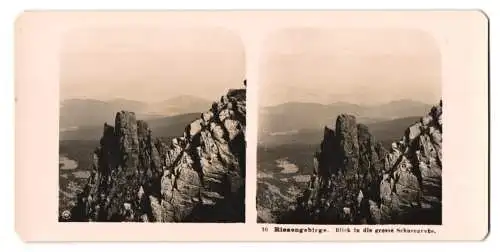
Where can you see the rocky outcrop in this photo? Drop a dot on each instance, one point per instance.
(357, 181)
(197, 177)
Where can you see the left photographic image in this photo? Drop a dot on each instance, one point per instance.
(152, 125)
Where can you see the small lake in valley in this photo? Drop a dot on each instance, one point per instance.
(67, 164)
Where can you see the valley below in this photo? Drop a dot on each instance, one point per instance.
(74, 169)
(282, 173)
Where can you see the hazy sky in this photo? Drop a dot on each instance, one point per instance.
(358, 66)
(149, 63)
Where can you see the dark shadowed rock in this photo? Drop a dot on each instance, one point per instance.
(347, 138)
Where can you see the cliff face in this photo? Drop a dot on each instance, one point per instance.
(197, 177)
(357, 181)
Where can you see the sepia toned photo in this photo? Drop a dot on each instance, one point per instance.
(361, 126)
(152, 125)
(350, 128)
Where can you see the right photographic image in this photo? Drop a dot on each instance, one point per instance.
(349, 127)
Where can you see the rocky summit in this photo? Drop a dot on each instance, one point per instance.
(197, 177)
(357, 181)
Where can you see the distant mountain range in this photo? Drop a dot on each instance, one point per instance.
(384, 131)
(81, 113)
(163, 127)
(299, 116)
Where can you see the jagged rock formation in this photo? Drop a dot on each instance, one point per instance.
(197, 177)
(357, 181)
